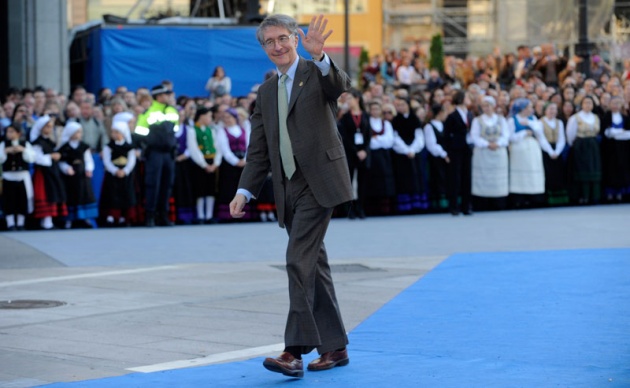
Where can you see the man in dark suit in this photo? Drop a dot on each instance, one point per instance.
(294, 134)
(456, 144)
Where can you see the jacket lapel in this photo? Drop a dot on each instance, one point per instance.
(272, 99)
(302, 75)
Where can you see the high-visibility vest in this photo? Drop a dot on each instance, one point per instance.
(156, 113)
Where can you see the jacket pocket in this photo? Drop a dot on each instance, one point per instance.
(335, 153)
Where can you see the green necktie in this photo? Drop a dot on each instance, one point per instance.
(286, 152)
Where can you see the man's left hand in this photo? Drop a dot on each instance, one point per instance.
(314, 39)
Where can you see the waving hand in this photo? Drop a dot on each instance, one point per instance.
(314, 39)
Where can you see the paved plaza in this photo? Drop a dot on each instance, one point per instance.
(146, 300)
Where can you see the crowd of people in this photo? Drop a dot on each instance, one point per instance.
(499, 132)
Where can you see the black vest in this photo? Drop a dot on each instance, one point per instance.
(14, 162)
(119, 153)
(406, 127)
(74, 156)
(455, 131)
(47, 145)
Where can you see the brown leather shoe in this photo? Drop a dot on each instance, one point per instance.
(285, 364)
(329, 360)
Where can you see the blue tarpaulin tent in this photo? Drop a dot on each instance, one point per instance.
(136, 56)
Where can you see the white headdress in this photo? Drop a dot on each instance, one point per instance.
(37, 127)
(70, 129)
(123, 116)
(122, 127)
(490, 100)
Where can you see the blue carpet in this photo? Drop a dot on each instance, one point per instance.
(527, 319)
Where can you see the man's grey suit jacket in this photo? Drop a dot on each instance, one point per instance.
(316, 143)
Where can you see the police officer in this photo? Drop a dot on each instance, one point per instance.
(156, 129)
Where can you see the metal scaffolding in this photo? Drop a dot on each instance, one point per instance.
(478, 26)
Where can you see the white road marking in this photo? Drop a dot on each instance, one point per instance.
(211, 359)
(88, 275)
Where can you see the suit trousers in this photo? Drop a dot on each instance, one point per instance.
(159, 178)
(314, 320)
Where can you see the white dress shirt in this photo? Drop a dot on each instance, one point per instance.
(431, 141)
(560, 144)
(385, 139)
(495, 119)
(617, 133)
(572, 124)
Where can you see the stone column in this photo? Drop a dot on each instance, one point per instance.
(38, 44)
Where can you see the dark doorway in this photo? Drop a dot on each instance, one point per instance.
(4, 48)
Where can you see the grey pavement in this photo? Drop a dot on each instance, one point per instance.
(141, 299)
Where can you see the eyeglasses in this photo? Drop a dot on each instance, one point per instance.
(283, 40)
(388, 112)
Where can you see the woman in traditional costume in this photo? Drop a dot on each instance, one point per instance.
(491, 137)
(527, 172)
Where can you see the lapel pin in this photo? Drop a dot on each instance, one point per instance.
(301, 83)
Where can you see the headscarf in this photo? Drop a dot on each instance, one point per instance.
(37, 127)
(122, 127)
(490, 100)
(122, 116)
(233, 112)
(70, 129)
(519, 105)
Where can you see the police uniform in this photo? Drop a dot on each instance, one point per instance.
(157, 128)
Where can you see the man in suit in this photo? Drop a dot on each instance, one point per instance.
(457, 145)
(294, 134)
